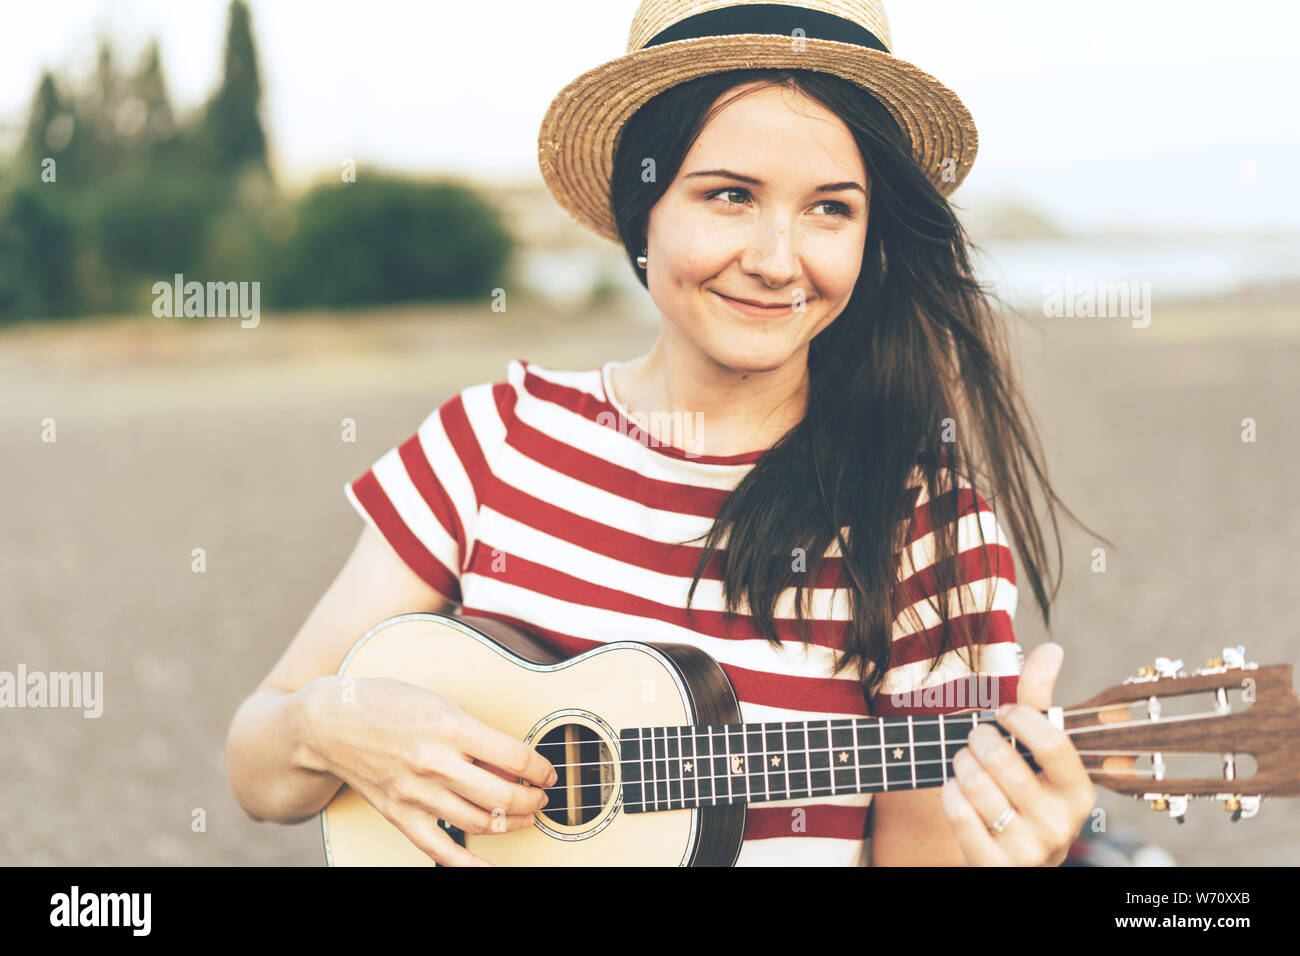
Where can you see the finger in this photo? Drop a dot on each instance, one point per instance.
(1051, 747)
(1008, 771)
(977, 844)
(459, 812)
(502, 750)
(435, 842)
(1018, 839)
(491, 790)
(1038, 675)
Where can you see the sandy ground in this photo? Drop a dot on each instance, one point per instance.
(172, 437)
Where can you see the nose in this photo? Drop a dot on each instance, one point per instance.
(770, 253)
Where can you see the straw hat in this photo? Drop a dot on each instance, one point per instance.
(673, 41)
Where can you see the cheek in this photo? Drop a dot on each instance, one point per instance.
(837, 269)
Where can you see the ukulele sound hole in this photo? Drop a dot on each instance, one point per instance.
(585, 769)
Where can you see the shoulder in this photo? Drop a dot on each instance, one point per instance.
(529, 398)
(945, 495)
(955, 502)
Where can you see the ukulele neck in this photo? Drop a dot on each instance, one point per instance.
(674, 768)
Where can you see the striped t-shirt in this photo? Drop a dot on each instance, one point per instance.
(537, 502)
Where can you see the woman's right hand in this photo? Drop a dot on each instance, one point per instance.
(417, 757)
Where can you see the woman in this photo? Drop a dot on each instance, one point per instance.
(799, 499)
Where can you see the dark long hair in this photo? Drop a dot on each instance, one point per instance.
(911, 379)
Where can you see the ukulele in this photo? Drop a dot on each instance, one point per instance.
(655, 766)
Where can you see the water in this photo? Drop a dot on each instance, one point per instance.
(1021, 270)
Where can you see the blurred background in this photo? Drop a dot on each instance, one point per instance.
(375, 172)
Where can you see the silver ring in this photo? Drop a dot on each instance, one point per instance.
(1001, 822)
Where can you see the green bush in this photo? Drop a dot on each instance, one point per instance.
(383, 240)
(38, 254)
(154, 223)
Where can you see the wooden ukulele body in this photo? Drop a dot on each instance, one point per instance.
(514, 683)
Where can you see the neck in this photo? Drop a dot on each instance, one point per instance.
(741, 409)
(672, 768)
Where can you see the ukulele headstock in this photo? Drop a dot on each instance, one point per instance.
(1228, 709)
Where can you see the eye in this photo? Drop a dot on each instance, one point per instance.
(839, 208)
(728, 189)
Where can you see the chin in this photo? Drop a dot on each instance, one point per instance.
(765, 357)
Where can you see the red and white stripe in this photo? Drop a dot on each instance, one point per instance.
(525, 500)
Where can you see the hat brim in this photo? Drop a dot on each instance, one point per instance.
(579, 133)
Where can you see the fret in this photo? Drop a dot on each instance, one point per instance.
(754, 768)
(943, 750)
(703, 767)
(648, 761)
(874, 772)
(642, 770)
(819, 760)
(796, 756)
(785, 761)
(718, 765)
(774, 762)
(899, 767)
(736, 757)
(647, 768)
(857, 755)
(911, 746)
(929, 753)
(690, 778)
(630, 765)
(673, 740)
(884, 757)
(844, 762)
(661, 767)
(726, 763)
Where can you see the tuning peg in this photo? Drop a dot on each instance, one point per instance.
(1241, 807)
(1178, 808)
(1167, 668)
(1143, 674)
(1175, 804)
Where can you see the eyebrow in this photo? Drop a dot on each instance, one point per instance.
(728, 174)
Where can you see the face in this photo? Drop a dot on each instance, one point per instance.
(766, 231)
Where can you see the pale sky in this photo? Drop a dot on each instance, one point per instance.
(1156, 113)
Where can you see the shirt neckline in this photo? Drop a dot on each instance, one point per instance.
(626, 426)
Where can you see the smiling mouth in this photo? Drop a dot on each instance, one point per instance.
(750, 309)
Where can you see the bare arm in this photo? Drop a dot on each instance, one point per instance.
(273, 769)
(910, 828)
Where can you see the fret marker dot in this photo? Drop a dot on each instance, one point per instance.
(844, 756)
(898, 753)
(687, 767)
(776, 761)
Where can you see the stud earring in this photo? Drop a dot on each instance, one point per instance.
(641, 259)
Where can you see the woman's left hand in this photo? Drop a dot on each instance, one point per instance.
(1048, 808)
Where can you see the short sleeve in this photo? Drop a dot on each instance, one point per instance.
(422, 496)
(988, 596)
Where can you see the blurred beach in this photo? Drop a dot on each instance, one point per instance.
(174, 500)
(174, 435)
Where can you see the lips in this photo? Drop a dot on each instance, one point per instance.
(749, 308)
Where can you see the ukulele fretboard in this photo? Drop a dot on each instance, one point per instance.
(673, 768)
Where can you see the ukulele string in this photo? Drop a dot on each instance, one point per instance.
(861, 747)
(681, 758)
(813, 792)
